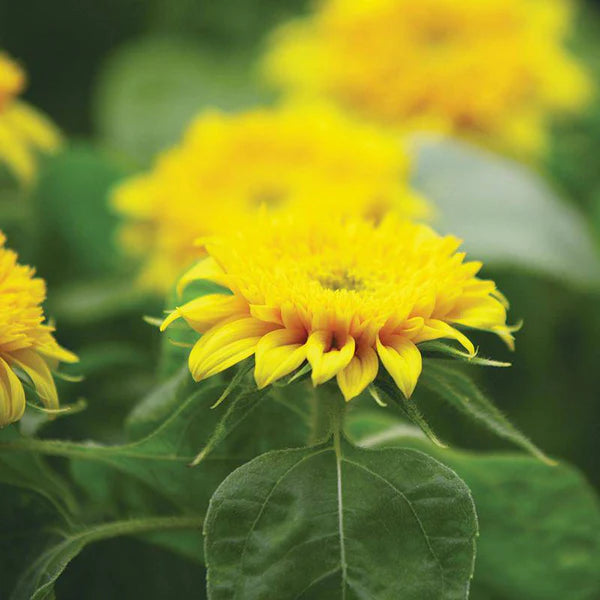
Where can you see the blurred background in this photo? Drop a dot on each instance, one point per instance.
(121, 78)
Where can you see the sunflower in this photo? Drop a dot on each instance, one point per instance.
(344, 295)
(28, 350)
(23, 130)
(491, 70)
(294, 158)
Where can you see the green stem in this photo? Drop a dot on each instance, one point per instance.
(327, 412)
(136, 527)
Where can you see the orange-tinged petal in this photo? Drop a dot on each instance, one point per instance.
(226, 344)
(327, 362)
(269, 314)
(12, 395)
(359, 373)
(204, 312)
(278, 353)
(402, 360)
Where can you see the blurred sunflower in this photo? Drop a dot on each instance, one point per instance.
(490, 70)
(27, 347)
(296, 158)
(23, 130)
(343, 295)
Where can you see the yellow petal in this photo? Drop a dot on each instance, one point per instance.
(37, 370)
(207, 269)
(12, 395)
(225, 345)
(266, 313)
(402, 360)
(361, 371)
(33, 126)
(435, 329)
(204, 312)
(278, 354)
(15, 152)
(325, 362)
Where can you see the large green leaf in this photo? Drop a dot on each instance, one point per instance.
(335, 521)
(37, 582)
(150, 89)
(506, 214)
(539, 525)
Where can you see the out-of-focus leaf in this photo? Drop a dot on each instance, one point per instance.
(539, 525)
(336, 521)
(506, 214)
(37, 582)
(29, 471)
(461, 392)
(75, 226)
(87, 302)
(150, 89)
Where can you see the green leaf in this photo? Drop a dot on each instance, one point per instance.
(506, 214)
(407, 406)
(37, 582)
(540, 525)
(30, 472)
(335, 521)
(73, 217)
(160, 460)
(163, 401)
(150, 89)
(441, 348)
(462, 393)
(238, 409)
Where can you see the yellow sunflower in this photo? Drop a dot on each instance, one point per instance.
(296, 158)
(343, 295)
(27, 346)
(23, 130)
(491, 70)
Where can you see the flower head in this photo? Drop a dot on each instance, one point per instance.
(343, 295)
(27, 345)
(492, 70)
(22, 129)
(303, 158)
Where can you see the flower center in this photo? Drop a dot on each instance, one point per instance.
(341, 280)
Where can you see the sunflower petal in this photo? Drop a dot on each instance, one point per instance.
(207, 269)
(359, 373)
(435, 329)
(279, 353)
(226, 344)
(204, 312)
(403, 362)
(38, 371)
(327, 363)
(12, 395)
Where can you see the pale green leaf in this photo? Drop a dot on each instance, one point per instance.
(505, 213)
